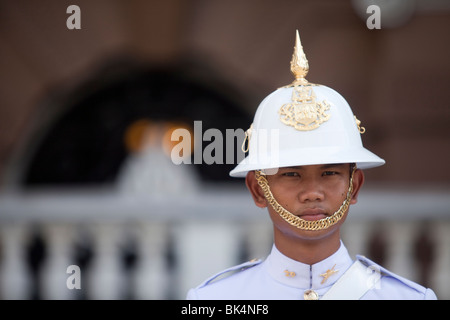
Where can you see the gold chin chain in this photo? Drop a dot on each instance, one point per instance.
(297, 221)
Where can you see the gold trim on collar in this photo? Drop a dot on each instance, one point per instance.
(328, 274)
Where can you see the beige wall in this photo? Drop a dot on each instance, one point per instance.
(396, 80)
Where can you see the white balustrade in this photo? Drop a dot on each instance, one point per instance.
(151, 277)
(14, 274)
(203, 249)
(204, 233)
(440, 274)
(59, 239)
(400, 249)
(258, 236)
(104, 276)
(355, 235)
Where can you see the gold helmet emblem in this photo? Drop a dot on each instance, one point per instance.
(304, 112)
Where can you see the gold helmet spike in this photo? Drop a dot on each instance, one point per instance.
(299, 63)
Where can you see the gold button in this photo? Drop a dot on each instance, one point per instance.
(310, 295)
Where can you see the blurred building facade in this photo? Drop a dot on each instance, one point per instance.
(84, 113)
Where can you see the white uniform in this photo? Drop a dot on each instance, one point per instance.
(281, 278)
(308, 125)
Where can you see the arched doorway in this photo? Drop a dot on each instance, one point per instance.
(86, 144)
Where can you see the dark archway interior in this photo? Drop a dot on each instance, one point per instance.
(84, 145)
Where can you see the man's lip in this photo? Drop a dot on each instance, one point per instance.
(313, 214)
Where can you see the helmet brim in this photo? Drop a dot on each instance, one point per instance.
(363, 158)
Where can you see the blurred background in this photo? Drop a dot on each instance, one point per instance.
(85, 116)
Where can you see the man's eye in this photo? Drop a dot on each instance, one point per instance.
(330, 173)
(291, 174)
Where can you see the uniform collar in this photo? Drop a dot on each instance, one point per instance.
(304, 276)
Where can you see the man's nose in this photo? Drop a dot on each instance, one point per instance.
(310, 191)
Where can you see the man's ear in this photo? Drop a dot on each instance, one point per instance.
(358, 181)
(255, 190)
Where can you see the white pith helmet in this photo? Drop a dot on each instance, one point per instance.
(304, 124)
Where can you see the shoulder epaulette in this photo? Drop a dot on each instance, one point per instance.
(230, 271)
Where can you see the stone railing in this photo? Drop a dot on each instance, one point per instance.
(144, 247)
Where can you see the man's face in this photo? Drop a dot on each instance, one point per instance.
(310, 192)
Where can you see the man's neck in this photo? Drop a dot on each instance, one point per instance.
(307, 251)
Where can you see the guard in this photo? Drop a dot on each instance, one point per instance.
(304, 164)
